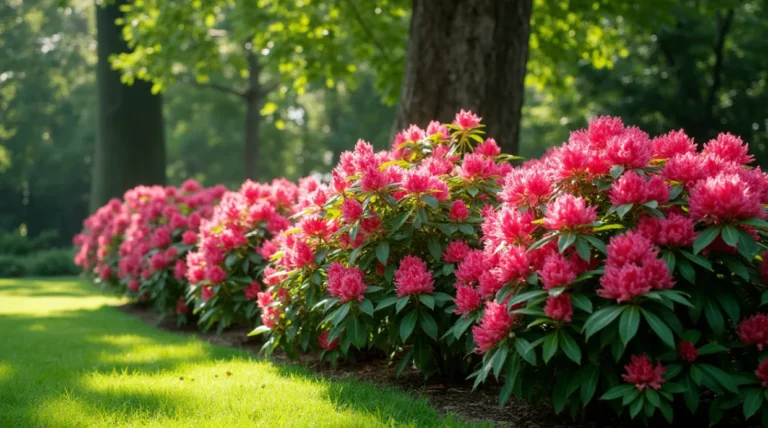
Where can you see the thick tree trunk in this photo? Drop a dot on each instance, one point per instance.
(130, 148)
(467, 54)
(252, 119)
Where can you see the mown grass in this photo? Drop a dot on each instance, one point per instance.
(68, 359)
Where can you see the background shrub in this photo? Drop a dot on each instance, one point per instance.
(56, 262)
(11, 266)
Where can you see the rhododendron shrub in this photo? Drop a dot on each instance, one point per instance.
(226, 271)
(378, 265)
(142, 241)
(630, 272)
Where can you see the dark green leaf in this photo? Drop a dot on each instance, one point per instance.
(698, 259)
(618, 391)
(714, 317)
(382, 252)
(582, 302)
(570, 347)
(730, 235)
(549, 347)
(430, 200)
(622, 210)
(711, 348)
(597, 243)
(427, 300)
(669, 258)
(583, 249)
(629, 323)
(525, 350)
(565, 240)
(616, 171)
(357, 333)
(435, 249)
(366, 306)
(723, 378)
(499, 360)
(601, 319)
(686, 270)
(658, 327)
(747, 244)
(753, 399)
(401, 302)
(705, 238)
(589, 385)
(428, 325)
(407, 324)
(389, 301)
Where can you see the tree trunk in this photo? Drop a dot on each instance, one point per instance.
(252, 119)
(130, 147)
(467, 54)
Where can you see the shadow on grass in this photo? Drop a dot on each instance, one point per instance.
(54, 360)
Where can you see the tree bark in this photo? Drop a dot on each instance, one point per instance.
(467, 54)
(130, 146)
(253, 99)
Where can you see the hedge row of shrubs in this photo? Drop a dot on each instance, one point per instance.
(22, 256)
(617, 269)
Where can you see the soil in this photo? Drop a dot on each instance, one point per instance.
(479, 405)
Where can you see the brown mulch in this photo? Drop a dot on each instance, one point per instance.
(481, 404)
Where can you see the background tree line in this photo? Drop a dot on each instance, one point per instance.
(222, 90)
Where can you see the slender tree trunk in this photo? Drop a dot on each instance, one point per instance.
(252, 119)
(130, 148)
(467, 54)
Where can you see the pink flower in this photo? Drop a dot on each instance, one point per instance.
(568, 212)
(632, 188)
(724, 198)
(181, 307)
(632, 269)
(643, 374)
(488, 148)
(459, 211)
(351, 210)
(466, 120)
(676, 231)
(489, 284)
(455, 252)
(494, 326)
(215, 274)
(206, 293)
(754, 330)
(686, 168)
(512, 226)
(527, 187)
(467, 299)
(312, 225)
(762, 373)
(631, 148)
(672, 144)
(251, 292)
(438, 130)
(473, 265)
(189, 237)
(729, 147)
(687, 351)
(180, 270)
(270, 314)
(513, 264)
(161, 238)
(559, 308)
(346, 283)
(557, 271)
(412, 277)
(373, 179)
(322, 339)
(600, 130)
(477, 166)
(133, 285)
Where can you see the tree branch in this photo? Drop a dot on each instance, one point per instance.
(717, 70)
(367, 31)
(215, 86)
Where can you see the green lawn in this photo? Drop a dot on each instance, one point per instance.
(69, 359)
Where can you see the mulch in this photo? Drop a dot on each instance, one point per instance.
(481, 404)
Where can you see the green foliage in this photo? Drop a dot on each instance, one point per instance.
(51, 263)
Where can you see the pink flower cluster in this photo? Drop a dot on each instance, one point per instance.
(345, 283)
(643, 373)
(413, 277)
(494, 326)
(633, 268)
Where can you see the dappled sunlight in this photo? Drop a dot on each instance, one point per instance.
(55, 296)
(77, 362)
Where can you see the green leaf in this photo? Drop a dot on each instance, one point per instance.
(582, 302)
(430, 200)
(730, 235)
(401, 302)
(714, 317)
(461, 326)
(427, 300)
(618, 391)
(549, 347)
(691, 395)
(686, 270)
(705, 238)
(748, 246)
(541, 242)
(466, 229)
(382, 252)
(569, 345)
(513, 366)
(357, 333)
(755, 222)
(258, 330)
(435, 249)
(764, 299)
(389, 301)
(499, 360)
(699, 260)
(597, 243)
(711, 348)
(669, 258)
(565, 241)
(658, 327)
(407, 324)
(341, 313)
(616, 171)
(636, 406)
(366, 306)
(629, 323)
(601, 319)
(737, 267)
(723, 378)
(753, 399)
(652, 396)
(428, 325)
(526, 350)
(622, 210)
(523, 297)
(583, 249)
(589, 385)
